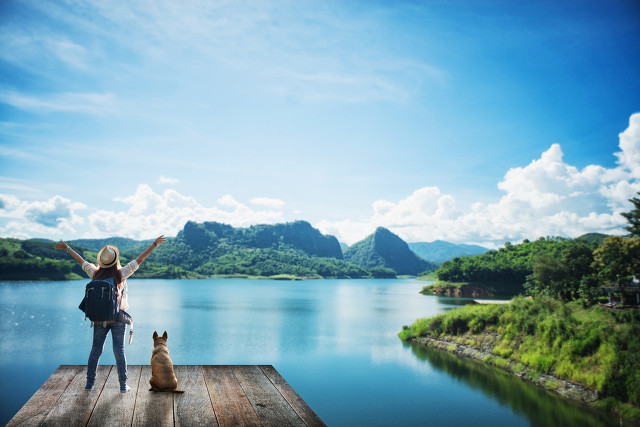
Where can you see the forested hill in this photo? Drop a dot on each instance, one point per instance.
(199, 250)
(551, 262)
(294, 248)
(297, 235)
(385, 249)
(440, 251)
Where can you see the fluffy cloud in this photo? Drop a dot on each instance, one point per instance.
(629, 157)
(53, 217)
(146, 214)
(150, 213)
(545, 198)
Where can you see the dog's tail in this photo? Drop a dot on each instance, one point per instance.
(177, 391)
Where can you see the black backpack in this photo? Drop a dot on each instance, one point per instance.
(100, 303)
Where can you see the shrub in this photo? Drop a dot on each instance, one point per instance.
(588, 342)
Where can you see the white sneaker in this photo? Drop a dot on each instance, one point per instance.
(125, 389)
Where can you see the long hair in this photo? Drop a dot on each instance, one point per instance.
(105, 273)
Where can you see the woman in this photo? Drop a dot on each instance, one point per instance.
(109, 267)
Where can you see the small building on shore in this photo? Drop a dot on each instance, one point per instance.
(630, 289)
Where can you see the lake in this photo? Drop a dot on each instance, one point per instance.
(334, 341)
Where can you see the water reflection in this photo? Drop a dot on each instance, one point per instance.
(540, 406)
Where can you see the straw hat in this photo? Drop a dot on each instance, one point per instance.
(108, 256)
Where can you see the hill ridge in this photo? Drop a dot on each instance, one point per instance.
(386, 249)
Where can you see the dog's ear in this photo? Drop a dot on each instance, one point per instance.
(155, 335)
(164, 335)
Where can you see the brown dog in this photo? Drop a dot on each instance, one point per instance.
(162, 377)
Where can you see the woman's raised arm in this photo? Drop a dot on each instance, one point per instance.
(160, 240)
(63, 246)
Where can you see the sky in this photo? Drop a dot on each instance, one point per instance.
(472, 122)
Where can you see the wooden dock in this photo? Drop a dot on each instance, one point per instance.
(215, 395)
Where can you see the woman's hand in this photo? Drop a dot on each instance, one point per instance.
(160, 240)
(61, 245)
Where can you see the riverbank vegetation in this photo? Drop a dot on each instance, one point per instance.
(567, 269)
(38, 260)
(505, 271)
(463, 289)
(591, 346)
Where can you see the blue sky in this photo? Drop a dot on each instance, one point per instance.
(473, 122)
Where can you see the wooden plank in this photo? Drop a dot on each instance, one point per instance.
(115, 408)
(37, 408)
(151, 408)
(193, 408)
(230, 404)
(271, 407)
(215, 395)
(297, 403)
(76, 404)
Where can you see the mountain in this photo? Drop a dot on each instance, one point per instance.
(385, 249)
(298, 234)
(199, 250)
(440, 251)
(294, 248)
(592, 238)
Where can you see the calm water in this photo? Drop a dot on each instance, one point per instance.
(334, 341)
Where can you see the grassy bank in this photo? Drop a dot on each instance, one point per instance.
(597, 348)
(428, 277)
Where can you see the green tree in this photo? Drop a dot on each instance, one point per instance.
(609, 259)
(577, 259)
(20, 254)
(617, 260)
(549, 277)
(633, 217)
(561, 274)
(590, 289)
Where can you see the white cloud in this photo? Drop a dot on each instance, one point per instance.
(54, 216)
(629, 157)
(68, 52)
(150, 214)
(548, 197)
(166, 180)
(146, 214)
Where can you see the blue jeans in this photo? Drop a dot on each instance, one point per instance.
(118, 330)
